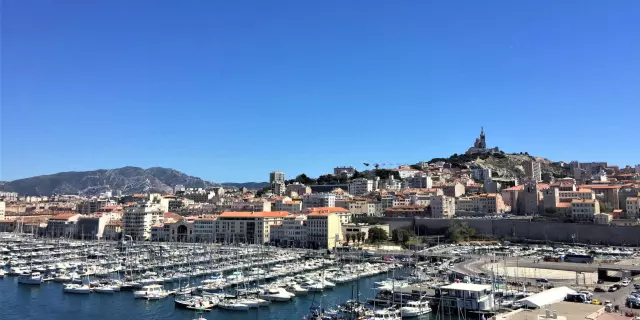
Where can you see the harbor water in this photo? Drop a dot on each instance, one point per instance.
(47, 301)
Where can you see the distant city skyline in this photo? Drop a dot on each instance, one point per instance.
(233, 91)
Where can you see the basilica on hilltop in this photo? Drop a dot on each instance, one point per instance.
(480, 146)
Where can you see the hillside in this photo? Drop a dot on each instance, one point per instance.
(127, 179)
(504, 165)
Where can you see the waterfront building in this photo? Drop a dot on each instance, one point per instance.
(318, 200)
(204, 229)
(292, 232)
(62, 225)
(354, 229)
(247, 227)
(112, 230)
(92, 227)
(584, 210)
(324, 229)
(633, 207)
(138, 219)
(360, 186)
(602, 218)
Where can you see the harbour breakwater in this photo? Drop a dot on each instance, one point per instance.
(521, 230)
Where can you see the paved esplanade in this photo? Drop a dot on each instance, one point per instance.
(580, 267)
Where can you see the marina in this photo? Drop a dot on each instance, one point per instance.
(178, 281)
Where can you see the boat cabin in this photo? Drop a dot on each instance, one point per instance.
(466, 296)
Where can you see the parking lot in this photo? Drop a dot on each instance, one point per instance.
(617, 297)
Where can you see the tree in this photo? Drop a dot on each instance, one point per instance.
(458, 232)
(304, 179)
(362, 236)
(377, 234)
(365, 219)
(401, 235)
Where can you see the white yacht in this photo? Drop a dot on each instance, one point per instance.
(2, 272)
(386, 314)
(233, 305)
(275, 294)
(152, 290)
(76, 288)
(34, 278)
(415, 309)
(104, 289)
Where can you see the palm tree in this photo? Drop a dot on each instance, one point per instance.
(348, 237)
(362, 236)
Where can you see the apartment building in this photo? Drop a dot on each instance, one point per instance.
(490, 203)
(297, 189)
(344, 216)
(259, 205)
(406, 211)
(93, 205)
(138, 219)
(276, 176)
(291, 232)
(3, 207)
(420, 181)
(204, 229)
(390, 201)
(602, 218)
(391, 184)
(584, 194)
(360, 186)
(443, 206)
(291, 206)
(364, 208)
(198, 195)
(278, 187)
(584, 210)
(532, 170)
(606, 193)
(247, 227)
(454, 190)
(318, 200)
(632, 207)
(323, 229)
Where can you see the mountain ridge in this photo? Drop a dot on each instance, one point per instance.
(129, 179)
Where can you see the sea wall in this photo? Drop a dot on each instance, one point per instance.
(528, 230)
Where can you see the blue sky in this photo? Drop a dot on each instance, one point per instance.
(230, 90)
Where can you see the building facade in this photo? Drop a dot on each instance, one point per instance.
(247, 227)
(324, 230)
(138, 219)
(318, 200)
(443, 206)
(584, 210)
(532, 170)
(360, 186)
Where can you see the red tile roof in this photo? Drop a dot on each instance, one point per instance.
(324, 211)
(271, 214)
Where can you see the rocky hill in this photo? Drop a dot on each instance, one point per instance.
(127, 179)
(504, 165)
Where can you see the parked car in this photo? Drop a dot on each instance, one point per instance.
(613, 289)
(598, 289)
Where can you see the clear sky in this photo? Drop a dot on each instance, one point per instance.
(230, 90)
